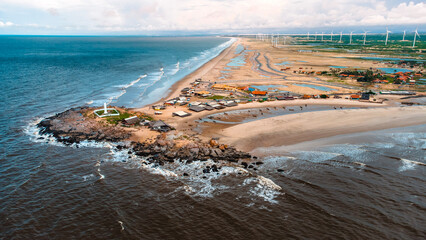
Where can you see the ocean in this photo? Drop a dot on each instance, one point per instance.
(361, 186)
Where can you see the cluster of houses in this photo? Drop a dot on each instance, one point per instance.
(398, 77)
(153, 125)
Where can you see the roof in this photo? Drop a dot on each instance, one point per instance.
(202, 92)
(132, 120)
(158, 124)
(259, 92)
(181, 114)
(231, 104)
(196, 108)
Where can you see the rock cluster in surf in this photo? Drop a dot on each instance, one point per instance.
(73, 126)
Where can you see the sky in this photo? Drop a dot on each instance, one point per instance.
(162, 17)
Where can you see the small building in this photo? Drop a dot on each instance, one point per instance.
(196, 108)
(132, 120)
(159, 126)
(222, 87)
(208, 108)
(355, 97)
(158, 107)
(231, 104)
(202, 93)
(365, 96)
(259, 93)
(181, 114)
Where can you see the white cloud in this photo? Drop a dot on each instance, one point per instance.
(6, 24)
(139, 15)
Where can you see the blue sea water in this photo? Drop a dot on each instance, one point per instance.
(395, 70)
(321, 88)
(285, 63)
(72, 71)
(268, 87)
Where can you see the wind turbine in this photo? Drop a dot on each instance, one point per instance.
(331, 38)
(403, 36)
(350, 38)
(415, 34)
(322, 36)
(387, 36)
(365, 36)
(340, 37)
(308, 35)
(316, 33)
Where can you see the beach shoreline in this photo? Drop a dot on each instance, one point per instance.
(187, 125)
(174, 90)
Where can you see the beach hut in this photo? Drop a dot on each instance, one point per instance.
(132, 120)
(259, 93)
(365, 96)
(158, 107)
(231, 104)
(355, 97)
(202, 93)
(196, 108)
(181, 114)
(159, 126)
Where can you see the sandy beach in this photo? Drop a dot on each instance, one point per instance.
(296, 128)
(383, 111)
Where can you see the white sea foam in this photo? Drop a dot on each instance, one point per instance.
(409, 165)
(122, 225)
(315, 156)
(33, 132)
(264, 188)
(349, 150)
(175, 69)
(87, 177)
(160, 76)
(123, 89)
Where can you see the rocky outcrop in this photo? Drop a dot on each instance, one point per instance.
(72, 126)
(161, 151)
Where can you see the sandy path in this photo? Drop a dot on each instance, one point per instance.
(295, 128)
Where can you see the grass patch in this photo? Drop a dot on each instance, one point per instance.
(116, 119)
(215, 97)
(123, 115)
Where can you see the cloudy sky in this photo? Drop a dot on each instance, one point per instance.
(208, 16)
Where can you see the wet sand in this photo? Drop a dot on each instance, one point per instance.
(296, 128)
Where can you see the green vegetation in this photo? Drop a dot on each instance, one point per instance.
(123, 115)
(101, 112)
(215, 97)
(116, 119)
